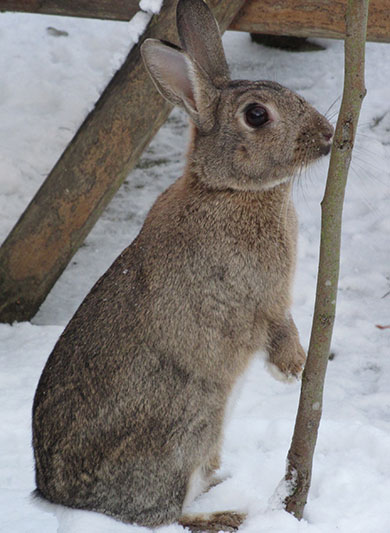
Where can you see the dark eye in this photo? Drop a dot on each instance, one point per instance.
(256, 115)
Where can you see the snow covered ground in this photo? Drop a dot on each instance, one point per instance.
(50, 80)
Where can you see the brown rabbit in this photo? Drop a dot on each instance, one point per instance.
(130, 407)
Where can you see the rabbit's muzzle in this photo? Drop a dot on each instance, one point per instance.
(327, 137)
(325, 149)
(314, 140)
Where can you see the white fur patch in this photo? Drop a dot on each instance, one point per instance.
(196, 486)
(278, 374)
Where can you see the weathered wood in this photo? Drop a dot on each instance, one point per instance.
(100, 9)
(93, 166)
(312, 18)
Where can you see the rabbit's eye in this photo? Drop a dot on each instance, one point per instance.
(256, 115)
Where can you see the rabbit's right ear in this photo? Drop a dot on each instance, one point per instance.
(201, 39)
(181, 81)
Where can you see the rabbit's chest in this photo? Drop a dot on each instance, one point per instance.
(245, 280)
(263, 263)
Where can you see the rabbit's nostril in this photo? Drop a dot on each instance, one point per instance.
(328, 133)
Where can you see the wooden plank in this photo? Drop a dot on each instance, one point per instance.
(309, 18)
(312, 18)
(93, 166)
(101, 9)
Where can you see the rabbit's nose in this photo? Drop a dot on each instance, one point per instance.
(328, 133)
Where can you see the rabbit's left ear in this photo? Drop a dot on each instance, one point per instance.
(181, 81)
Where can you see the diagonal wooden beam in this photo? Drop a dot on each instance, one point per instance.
(89, 172)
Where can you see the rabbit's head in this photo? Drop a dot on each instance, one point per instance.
(248, 135)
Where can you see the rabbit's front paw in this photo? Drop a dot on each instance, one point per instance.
(288, 366)
(286, 355)
(287, 373)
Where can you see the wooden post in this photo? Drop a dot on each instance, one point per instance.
(89, 172)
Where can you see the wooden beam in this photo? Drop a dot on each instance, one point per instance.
(100, 156)
(312, 18)
(100, 9)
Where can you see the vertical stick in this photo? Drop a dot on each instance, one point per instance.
(300, 455)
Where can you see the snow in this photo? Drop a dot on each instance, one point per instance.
(152, 6)
(51, 80)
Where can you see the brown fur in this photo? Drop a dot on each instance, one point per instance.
(131, 402)
(216, 522)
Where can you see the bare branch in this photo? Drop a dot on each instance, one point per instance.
(300, 456)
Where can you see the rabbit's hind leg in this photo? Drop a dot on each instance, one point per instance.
(203, 477)
(197, 484)
(222, 521)
(211, 467)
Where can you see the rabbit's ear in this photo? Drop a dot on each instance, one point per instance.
(201, 39)
(181, 81)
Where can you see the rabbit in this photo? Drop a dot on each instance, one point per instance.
(129, 411)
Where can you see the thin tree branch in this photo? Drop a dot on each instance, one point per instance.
(300, 455)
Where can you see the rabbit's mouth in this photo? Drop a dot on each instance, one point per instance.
(313, 153)
(328, 137)
(313, 143)
(325, 149)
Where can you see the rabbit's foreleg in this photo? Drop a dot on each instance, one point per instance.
(286, 356)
